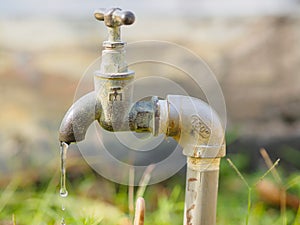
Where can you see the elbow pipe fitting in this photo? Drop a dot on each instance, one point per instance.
(194, 125)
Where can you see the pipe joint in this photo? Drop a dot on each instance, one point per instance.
(194, 125)
(144, 115)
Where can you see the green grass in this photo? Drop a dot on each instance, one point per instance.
(93, 200)
(239, 202)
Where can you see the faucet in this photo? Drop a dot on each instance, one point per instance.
(190, 121)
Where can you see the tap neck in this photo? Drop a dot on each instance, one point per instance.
(114, 39)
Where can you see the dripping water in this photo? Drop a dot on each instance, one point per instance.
(63, 189)
(63, 222)
(63, 155)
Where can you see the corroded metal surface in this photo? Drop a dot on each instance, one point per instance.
(195, 126)
(113, 82)
(114, 17)
(201, 191)
(78, 118)
(115, 97)
(142, 116)
(190, 121)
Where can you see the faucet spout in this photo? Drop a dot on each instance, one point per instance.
(78, 118)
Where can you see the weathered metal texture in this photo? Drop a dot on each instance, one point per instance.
(195, 126)
(201, 191)
(113, 91)
(168, 121)
(113, 80)
(113, 85)
(142, 116)
(190, 121)
(115, 96)
(113, 64)
(114, 18)
(78, 118)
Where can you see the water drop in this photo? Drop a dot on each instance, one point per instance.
(63, 189)
(63, 192)
(63, 155)
(63, 222)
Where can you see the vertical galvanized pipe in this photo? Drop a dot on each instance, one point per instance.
(201, 191)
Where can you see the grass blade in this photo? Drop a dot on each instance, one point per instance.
(238, 172)
(145, 180)
(8, 193)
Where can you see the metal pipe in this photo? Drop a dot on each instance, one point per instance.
(190, 121)
(201, 191)
(197, 128)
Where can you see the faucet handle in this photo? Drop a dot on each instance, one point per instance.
(114, 17)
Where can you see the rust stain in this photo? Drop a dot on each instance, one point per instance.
(195, 160)
(191, 188)
(192, 179)
(189, 215)
(172, 124)
(142, 218)
(195, 153)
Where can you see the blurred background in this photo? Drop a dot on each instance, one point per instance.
(253, 48)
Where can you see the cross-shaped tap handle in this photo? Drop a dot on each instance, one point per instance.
(114, 17)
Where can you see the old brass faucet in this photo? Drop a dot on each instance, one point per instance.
(190, 121)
